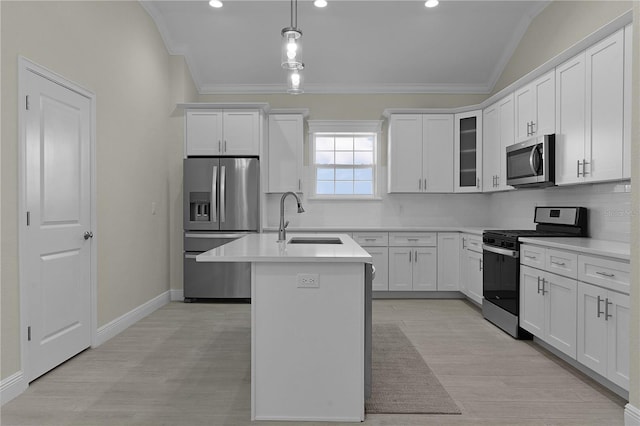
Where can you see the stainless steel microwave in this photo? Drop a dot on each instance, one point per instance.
(532, 163)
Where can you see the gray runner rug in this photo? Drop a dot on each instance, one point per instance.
(402, 383)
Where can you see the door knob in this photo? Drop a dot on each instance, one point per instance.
(88, 235)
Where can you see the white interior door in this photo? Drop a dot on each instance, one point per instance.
(57, 267)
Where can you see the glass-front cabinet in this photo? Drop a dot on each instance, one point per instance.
(468, 152)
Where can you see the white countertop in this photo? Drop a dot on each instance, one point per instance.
(615, 249)
(469, 230)
(266, 248)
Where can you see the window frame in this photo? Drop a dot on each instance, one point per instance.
(338, 127)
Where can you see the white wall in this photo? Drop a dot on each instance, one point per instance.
(609, 211)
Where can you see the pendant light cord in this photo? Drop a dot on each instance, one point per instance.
(294, 16)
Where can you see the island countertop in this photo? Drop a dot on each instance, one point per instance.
(266, 248)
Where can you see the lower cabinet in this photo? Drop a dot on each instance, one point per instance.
(448, 261)
(548, 308)
(603, 332)
(471, 267)
(412, 268)
(380, 261)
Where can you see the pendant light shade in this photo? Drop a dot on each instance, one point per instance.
(292, 52)
(294, 82)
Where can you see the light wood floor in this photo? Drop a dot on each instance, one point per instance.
(189, 364)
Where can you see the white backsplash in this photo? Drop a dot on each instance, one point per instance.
(609, 209)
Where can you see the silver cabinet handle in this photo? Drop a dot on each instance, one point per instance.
(497, 180)
(420, 184)
(219, 146)
(409, 256)
(464, 246)
(87, 235)
(599, 311)
(538, 285)
(533, 130)
(530, 257)
(369, 239)
(577, 168)
(605, 274)
(415, 254)
(214, 195)
(225, 146)
(425, 184)
(223, 207)
(606, 309)
(584, 168)
(412, 239)
(543, 290)
(558, 263)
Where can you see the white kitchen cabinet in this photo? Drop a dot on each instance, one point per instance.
(548, 308)
(535, 108)
(375, 243)
(498, 133)
(448, 261)
(413, 261)
(590, 114)
(471, 267)
(222, 132)
(468, 152)
(628, 72)
(285, 152)
(603, 332)
(420, 153)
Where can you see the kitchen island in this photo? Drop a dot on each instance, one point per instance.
(308, 321)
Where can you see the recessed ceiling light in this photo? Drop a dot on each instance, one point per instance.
(431, 3)
(320, 3)
(215, 3)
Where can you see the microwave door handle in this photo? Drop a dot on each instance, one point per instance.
(532, 160)
(214, 193)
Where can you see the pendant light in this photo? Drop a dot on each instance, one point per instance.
(292, 52)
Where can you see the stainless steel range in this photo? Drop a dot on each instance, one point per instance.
(501, 261)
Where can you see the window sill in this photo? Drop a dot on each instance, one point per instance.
(329, 198)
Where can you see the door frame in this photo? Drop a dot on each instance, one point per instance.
(26, 66)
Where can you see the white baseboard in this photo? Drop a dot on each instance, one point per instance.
(123, 322)
(631, 415)
(12, 386)
(177, 295)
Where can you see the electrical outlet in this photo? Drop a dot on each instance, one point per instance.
(308, 280)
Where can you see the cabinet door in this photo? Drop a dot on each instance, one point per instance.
(592, 328)
(605, 109)
(380, 257)
(531, 301)
(448, 261)
(405, 153)
(490, 148)
(425, 266)
(618, 338)
(524, 102)
(468, 152)
(400, 269)
(570, 119)
(286, 136)
(241, 133)
(437, 161)
(474, 276)
(628, 97)
(203, 132)
(463, 264)
(506, 130)
(560, 313)
(545, 104)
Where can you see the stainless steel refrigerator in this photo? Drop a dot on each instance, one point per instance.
(221, 203)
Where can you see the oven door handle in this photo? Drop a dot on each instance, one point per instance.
(510, 253)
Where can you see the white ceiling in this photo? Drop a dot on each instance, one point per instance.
(356, 46)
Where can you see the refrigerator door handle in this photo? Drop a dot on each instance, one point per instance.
(214, 191)
(223, 175)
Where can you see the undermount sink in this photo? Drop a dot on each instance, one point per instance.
(315, 240)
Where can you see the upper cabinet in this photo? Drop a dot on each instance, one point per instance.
(222, 132)
(535, 108)
(498, 133)
(421, 153)
(284, 152)
(590, 114)
(468, 152)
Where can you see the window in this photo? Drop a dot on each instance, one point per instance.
(344, 163)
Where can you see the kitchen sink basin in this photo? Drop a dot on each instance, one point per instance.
(315, 240)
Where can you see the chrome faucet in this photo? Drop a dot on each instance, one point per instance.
(282, 233)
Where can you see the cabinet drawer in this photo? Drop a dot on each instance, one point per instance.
(371, 239)
(562, 263)
(412, 239)
(611, 274)
(532, 256)
(473, 242)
